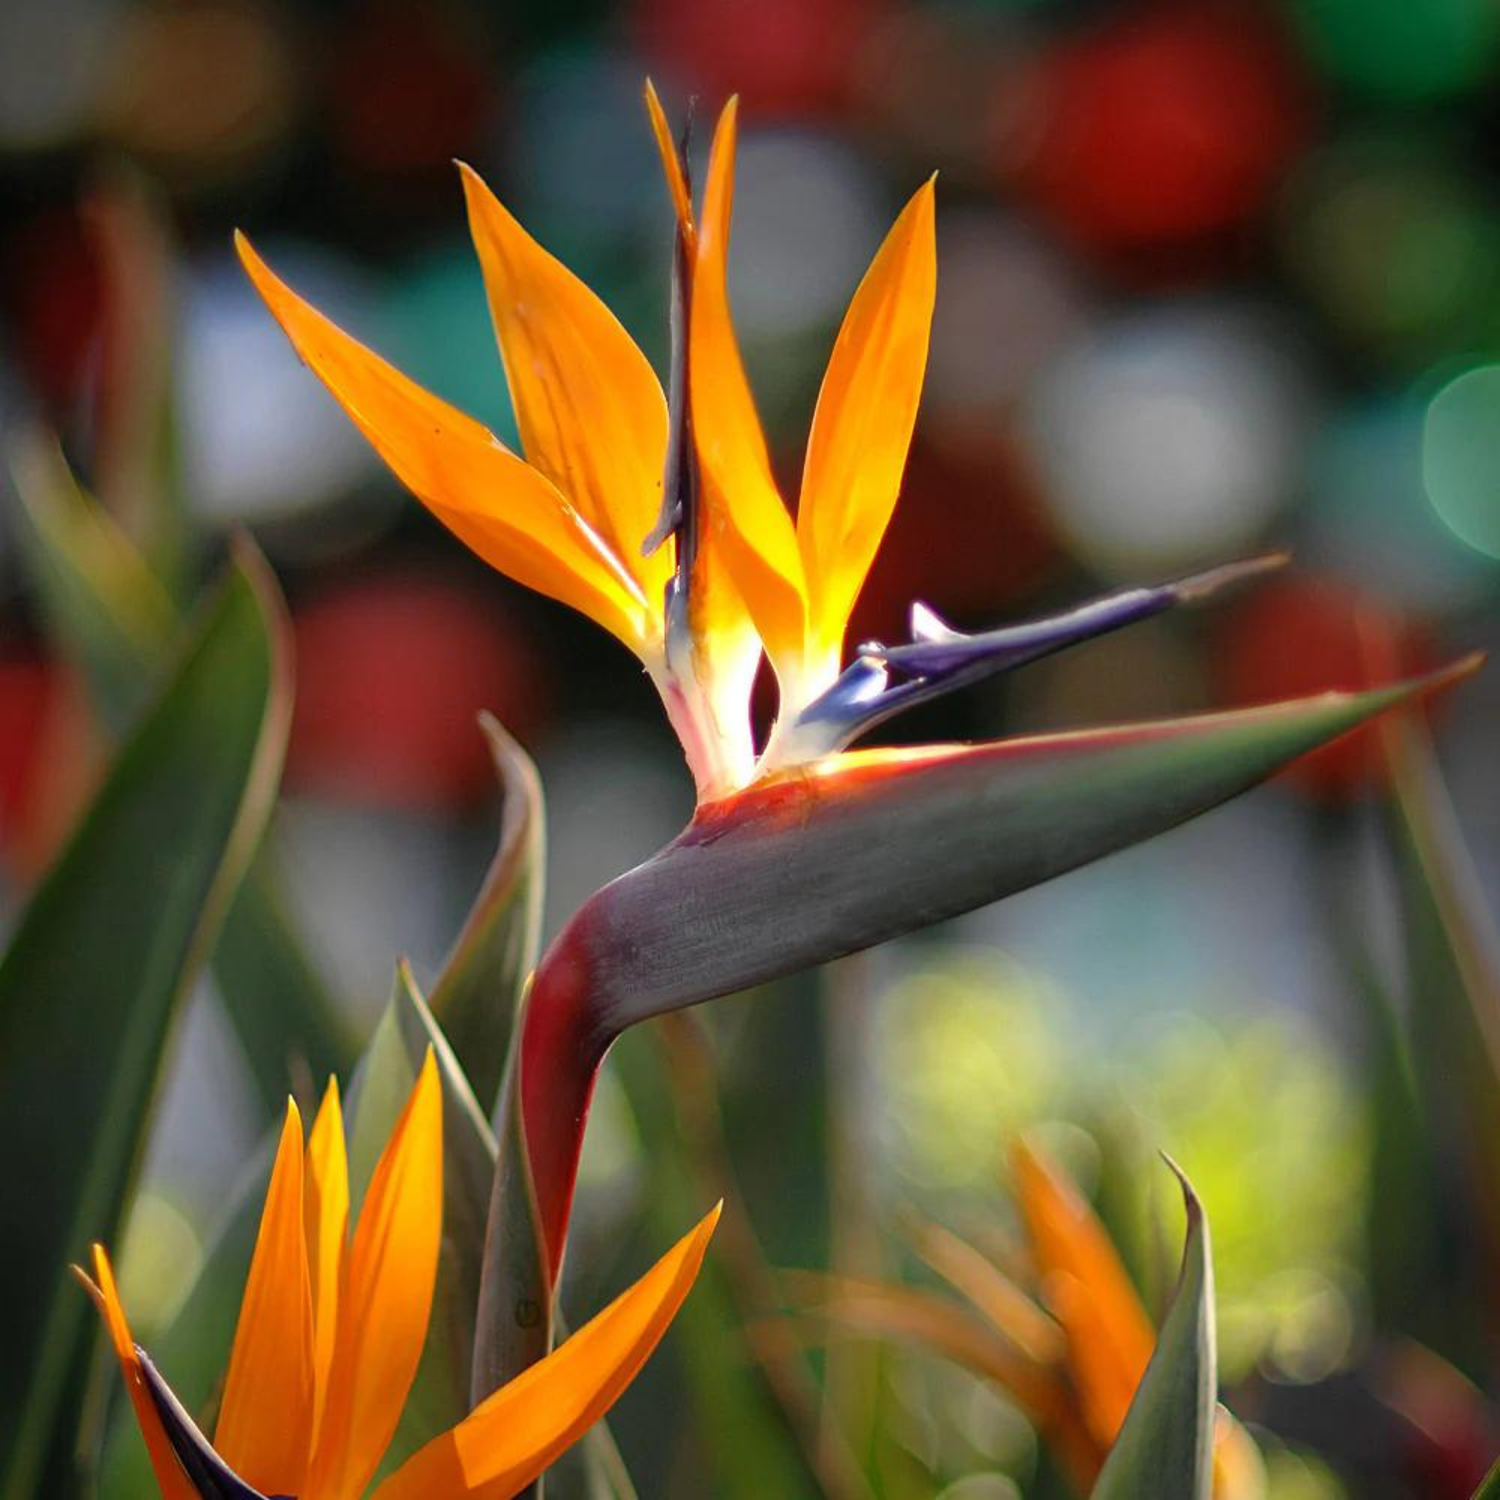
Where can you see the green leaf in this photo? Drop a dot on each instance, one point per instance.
(108, 611)
(1490, 1489)
(748, 1425)
(514, 1316)
(478, 993)
(440, 1393)
(1453, 1015)
(1166, 1446)
(100, 597)
(94, 978)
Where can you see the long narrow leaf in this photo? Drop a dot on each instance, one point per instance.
(96, 974)
(439, 1394)
(1166, 1447)
(107, 610)
(477, 996)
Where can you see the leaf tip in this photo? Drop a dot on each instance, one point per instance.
(1190, 1200)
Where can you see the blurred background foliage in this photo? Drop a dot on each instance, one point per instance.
(1213, 277)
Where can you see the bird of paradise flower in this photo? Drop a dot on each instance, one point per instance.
(332, 1326)
(1069, 1342)
(655, 513)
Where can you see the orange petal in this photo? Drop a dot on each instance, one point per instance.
(172, 1482)
(516, 1433)
(992, 1292)
(264, 1432)
(890, 1310)
(325, 1212)
(744, 508)
(671, 163)
(861, 430)
(386, 1299)
(493, 501)
(1239, 1469)
(1110, 1338)
(591, 411)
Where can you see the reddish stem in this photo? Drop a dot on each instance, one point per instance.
(562, 1046)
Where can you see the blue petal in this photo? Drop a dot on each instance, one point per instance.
(885, 680)
(207, 1472)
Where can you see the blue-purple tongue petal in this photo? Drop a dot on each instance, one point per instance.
(885, 680)
(207, 1472)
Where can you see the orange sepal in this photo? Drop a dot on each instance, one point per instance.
(492, 500)
(101, 1288)
(516, 1433)
(264, 1431)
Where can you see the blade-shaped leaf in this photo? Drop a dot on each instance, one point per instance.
(864, 847)
(757, 1416)
(1453, 1007)
(95, 975)
(107, 610)
(1490, 1489)
(477, 996)
(1166, 1447)
(439, 1394)
(101, 598)
(515, 1318)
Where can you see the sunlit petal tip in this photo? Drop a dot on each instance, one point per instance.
(1202, 585)
(746, 514)
(268, 1442)
(517, 1432)
(105, 1296)
(390, 1271)
(863, 422)
(503, 508)
(590, 409)
(325, 1212)
(671, 160)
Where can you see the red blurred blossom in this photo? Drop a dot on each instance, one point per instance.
(1304, 633)
(392, 670)
(969, 537)
(409, 89)
(1158, 130)
(53, 301)
(783, 57)
(49, 758)
(1448, 1445)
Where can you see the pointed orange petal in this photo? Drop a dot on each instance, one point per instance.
(172, 1482)
(745, 511)
(516, 1433)
(992, 1292)
(591, 411)
(386, 1299)
(862, 427)
(264, 1432)
(1239, 1469)
(325, 1212)
(671, 164)
(1110, 1338)
(493, 501)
